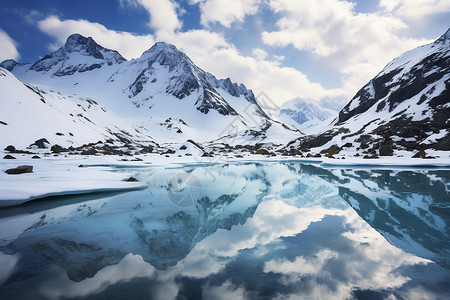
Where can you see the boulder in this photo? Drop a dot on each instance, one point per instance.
(147, 149)
(20, 170)
(410, 131)
(132, 179)
(332, 150)
(443, 143)
(7, 156)
(10, 149)
(58, 149)
(386, 150)
(89, 152)
(41, 143)
(262, 152)
(35, 157)
(347, 145)
(420, 154)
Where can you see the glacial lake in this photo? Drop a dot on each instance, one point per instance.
(273, 230)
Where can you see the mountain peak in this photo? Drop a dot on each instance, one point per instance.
(164, 45)
(60, 60)
(75, 40)
(78, 43)
(445, 37)
(8, 64)
(87, 46)
(166, 54)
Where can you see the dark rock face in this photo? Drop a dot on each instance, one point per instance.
(313, 141)
(20, 170)
(7, 156)
(210, 100)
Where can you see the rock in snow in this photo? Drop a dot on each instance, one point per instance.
(20, 170)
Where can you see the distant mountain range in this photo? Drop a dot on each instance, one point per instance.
(307, 116)
(83, 94)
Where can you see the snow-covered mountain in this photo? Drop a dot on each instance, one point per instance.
(79, 54)
(405, 107)
(308, 117)
(163, 92)
(29, 114)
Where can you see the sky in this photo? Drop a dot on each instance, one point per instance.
(289, 49)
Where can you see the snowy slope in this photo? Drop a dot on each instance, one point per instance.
(406, 107)
(29, 113)
(163, 92)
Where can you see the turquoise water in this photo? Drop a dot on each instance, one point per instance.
(237, 231)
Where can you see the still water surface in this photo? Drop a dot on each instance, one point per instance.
(240, 231)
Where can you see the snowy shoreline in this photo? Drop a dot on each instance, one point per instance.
(57, 176)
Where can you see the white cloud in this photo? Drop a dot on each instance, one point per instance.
(415, 9)
(196, 43)
(358, 45)
(163, 14)
(130, 267)
(302, 265)
(279, 57)
(279, 83)
(33, 16)
(129, 45)
(8, 47)
(226, 12)
(259, 53)
(225, 291)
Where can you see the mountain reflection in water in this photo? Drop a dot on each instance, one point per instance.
(254, 230)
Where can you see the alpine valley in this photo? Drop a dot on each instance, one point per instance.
(154, 179)
(85, 99)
